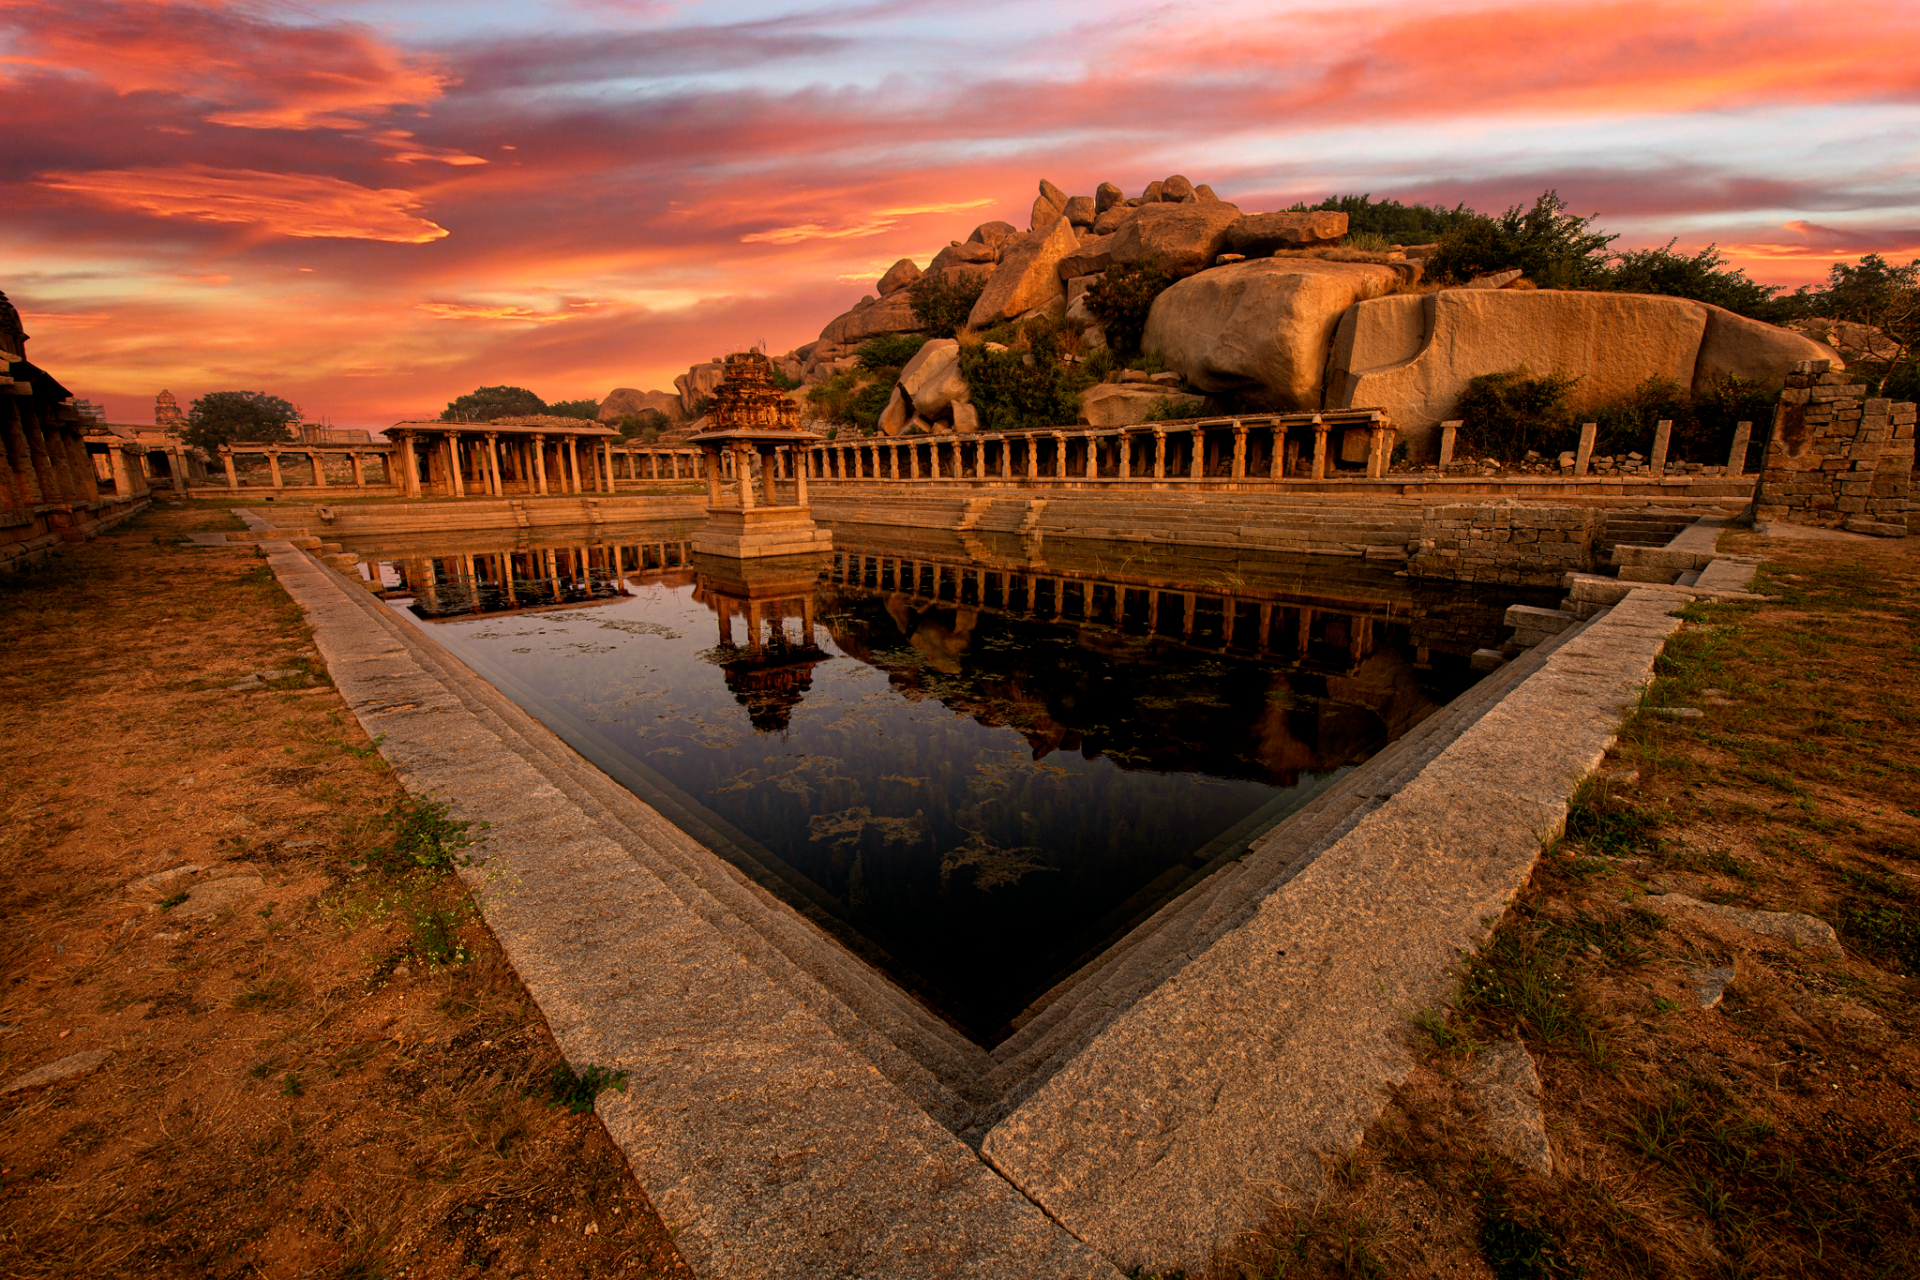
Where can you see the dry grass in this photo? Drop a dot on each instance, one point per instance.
(282, 1098)
(1776, 1135)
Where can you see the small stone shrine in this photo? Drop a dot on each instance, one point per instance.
(762, 509)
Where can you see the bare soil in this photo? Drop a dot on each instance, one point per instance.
(334, 1074)
(1774, 1134)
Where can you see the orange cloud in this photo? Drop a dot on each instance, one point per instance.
(496, 311)
(302, 205)
(259, 74)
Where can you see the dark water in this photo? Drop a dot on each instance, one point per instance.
(973, 794)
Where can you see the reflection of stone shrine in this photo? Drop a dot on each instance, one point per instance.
(752, 419)
(765, 613)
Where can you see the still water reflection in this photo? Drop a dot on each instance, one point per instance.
(977, 777)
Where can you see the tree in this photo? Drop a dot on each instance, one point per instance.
(1399, 223)
(228, 417)
(490, 403)
(1556, 249)
(1875, 292)
(589, 410)
(645, 425)
(1703, 276)
(942, 300)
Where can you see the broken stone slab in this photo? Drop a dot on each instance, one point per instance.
(161, 881)
(211, 897)
(74, 1064)
(1803, 931)
(1532, 624)
(1504, 1081)
(1487, 660)
(1710, 985)
(1878, 528)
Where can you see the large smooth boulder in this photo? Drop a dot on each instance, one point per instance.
(1259, 234)
(1753, 349)
(697, 383)
(932, 379)
(1105, 196)
(993, 234)
(1113, 218)
(870, 318)
(1028, 274)
(1185, 237)
(899, 276)
(622, 401)
(1048, 207)
(899, 411)
(1259, 326)
(1177, 190)
(1113, 405)
(1414, 356)
(1080, 211)
(1091, 256)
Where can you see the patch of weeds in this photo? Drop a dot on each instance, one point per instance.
(264, 1068)
(576, 1090)
(1603, 822)
(1620, 936)
(434, 940)
(424, 836)
(369, 752)
(1882, 915)
(275, 993)
(1433, 1024)
(1517, 1248)
(291, 1085)
(1519, 985)
(168, 904)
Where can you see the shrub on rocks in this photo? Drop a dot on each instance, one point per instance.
(1122, 298)
(890, 351)
(1503, 415)
(1020, 387)
(942, 302)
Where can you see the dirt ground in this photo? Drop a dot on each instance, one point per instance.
(318, 1062)
(1775, 1134)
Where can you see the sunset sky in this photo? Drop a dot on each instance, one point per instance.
(370, 206)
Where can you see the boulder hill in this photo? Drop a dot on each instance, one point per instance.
(1267, 307)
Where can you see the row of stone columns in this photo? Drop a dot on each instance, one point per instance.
(893, 573)
(47, 458)
(1050, 455)
(277, 480)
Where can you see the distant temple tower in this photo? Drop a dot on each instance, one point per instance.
(166, 412)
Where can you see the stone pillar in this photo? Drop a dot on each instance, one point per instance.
(1239, 451)
(572, 465)
(933, 460)
(893, 468)
(1381, 452)
(493, 464)
(1320, 430)
(359, 466)
(1266, 625)
(1006, 458)
(1662, 438)
(1033, 459)
(607, 454)
(1737, 456)
(273, 468)
(1125, 465)
(539, 451)
(743, 473)
(1197, 465)
(233, 477)
(123, 485)
(800, 484)
(20, 469)
(177, 461)
(1093, 457)
(316, 460)
(1159, 454)
(457, 480)
(1584, 457)
(1277, 451)
(1059, 455)
(712, 468)
(1449, 433)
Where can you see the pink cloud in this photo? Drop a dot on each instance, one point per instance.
(304, 206)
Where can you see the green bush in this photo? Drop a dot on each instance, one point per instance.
(782, 381)
(1010, 395)
(942, 303)
(1703, 276)
(889, 350)
(870, 401)
(1394, 222)
(1366, 242)
(1172, 409)
(1122, 297)
(644, 426)
(1556, 249)
(1502, 415)
(586, 410)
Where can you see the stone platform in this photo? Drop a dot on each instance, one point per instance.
(760, 531)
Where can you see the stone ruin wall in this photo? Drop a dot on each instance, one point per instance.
(1837, 455)
(1510, 543)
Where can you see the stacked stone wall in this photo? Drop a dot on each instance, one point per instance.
(1510, 543)
(1838, 456)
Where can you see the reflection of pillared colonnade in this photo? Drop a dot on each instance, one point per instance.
(502, 581)
(1269, 447)
(1327, 638)
(65, 476)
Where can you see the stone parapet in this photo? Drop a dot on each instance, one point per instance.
(1505, 542)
